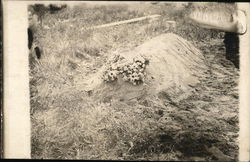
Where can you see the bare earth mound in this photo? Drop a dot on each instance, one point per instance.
(165, 63)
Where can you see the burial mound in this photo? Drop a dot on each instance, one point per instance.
(166, 63)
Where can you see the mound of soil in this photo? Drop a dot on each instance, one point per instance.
(173, 65)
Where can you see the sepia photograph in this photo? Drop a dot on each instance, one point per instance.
(134, 80)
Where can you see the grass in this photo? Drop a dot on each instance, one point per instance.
(71, 125)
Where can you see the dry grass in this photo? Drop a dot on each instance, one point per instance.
(71, 125)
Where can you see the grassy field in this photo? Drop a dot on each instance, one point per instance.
(68, 124)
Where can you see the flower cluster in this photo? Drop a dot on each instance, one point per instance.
(132, 72)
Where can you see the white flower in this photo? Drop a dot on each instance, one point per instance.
(138, 63)
(125, 68)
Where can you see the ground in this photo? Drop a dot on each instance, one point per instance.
(68, 123)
